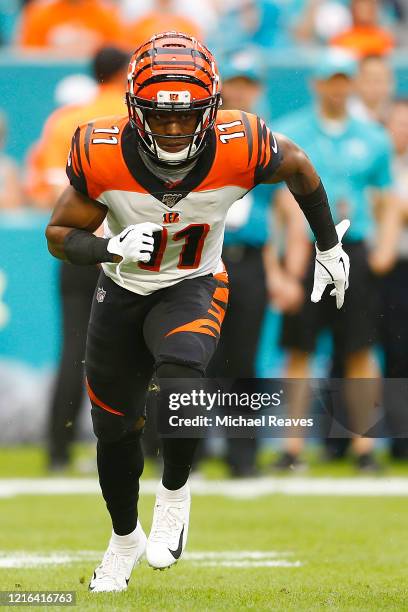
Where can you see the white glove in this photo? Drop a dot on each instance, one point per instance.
(332, 267)
(134, 243)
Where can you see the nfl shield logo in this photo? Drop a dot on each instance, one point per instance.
(100, 295)
(171, 199)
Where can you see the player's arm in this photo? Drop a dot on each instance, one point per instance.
(301, 178)
(299, 174)
(285, 275)
(76, 217)
(70, 233)
(296, 246)
(388, 209)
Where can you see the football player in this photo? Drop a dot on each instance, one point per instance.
(162, 179)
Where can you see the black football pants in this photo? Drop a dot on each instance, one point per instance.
(172, 332)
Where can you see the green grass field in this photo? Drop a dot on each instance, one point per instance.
(342, 553)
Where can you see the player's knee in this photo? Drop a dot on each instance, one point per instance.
(111, 428)
(107, 427)
(177, 370)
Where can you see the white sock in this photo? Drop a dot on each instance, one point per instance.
(123, 543)
(176, 494)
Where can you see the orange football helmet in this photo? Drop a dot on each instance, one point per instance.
(173, 72)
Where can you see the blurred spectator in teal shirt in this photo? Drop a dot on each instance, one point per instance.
(248, 22)
(354, 160)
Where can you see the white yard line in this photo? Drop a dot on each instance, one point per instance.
(239, 559)
(237, 489)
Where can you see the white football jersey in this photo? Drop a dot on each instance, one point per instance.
(105, 165)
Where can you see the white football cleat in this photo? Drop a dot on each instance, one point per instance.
(168, 535)
(114, 572)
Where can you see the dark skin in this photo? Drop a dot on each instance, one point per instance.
(174, 125)
(76, 211)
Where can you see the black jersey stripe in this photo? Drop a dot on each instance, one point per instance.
(77, 146)
(88, 133)
(264, 143)
(250, 138)
(259, 134)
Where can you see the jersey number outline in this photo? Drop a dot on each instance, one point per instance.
(112, 140)
(194, 236)
(225, 138)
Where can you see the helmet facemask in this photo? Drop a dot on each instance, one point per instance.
(195, 142)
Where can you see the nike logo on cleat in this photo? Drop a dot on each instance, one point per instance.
(91, 588)
(176, 553)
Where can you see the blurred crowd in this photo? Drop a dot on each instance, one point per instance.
(78, 27)
(72, 28)
(355, 130)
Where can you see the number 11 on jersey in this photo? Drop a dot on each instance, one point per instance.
(194, 236)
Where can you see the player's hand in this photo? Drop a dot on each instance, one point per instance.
(285, 293)
(381, 261)
(332, 267)
(135, 243)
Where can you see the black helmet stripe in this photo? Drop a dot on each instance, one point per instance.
(171, 65)
(171, 51)
(161, 78)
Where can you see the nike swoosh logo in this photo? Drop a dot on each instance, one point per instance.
(90, 588)
(327, 270)
(274, 146)
(121, 239)
(176, 553)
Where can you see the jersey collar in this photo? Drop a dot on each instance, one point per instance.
(152, 183)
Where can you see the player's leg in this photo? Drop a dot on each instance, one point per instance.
(298, 338)
(236, 352)
(77, 288)
(355, 329)
(182, 332)
(336, 448)
(235, 356)
(118, 369)
(394, 342)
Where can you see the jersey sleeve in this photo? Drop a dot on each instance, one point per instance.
(95, 164)
(266, 155)
(74, 169)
